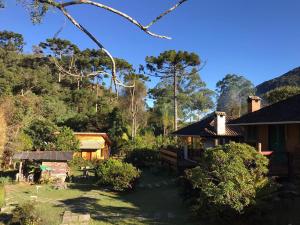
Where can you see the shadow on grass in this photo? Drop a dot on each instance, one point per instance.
(107, 214)
(157, 205)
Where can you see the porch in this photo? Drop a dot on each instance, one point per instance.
(180, 158)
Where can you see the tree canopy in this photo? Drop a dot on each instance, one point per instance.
(233, 91)
(180, 85)
(281, 93)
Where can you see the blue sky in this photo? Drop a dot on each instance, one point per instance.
(258, 39)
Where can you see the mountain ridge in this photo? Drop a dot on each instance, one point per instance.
(291, 78)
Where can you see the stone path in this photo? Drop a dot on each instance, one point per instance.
(70, 218)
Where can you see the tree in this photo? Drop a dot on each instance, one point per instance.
(11, 41)
(281, 93)
(233, 91)
(42, 133)
(180, 79)
(229, 179)
(38, 8)
(135, 98)
(66, 140)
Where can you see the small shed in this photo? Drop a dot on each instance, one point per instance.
(93, 146)
(52, 163)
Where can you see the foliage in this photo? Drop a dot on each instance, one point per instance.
(117, 175)
(227, 180)
(26, 214)
(42, 133)
(143, 158)
(11, 41)
(291, 78)
(180, 85)
(5, 180)
(23, 142)
(233, 91)
(2, 195)
(281, 93)
(77, 162)
(66, 140)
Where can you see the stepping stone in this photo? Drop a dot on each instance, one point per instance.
(149, 185)
(157, 185)
(165, 183)
(84, 217)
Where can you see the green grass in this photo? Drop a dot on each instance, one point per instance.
(141, 206)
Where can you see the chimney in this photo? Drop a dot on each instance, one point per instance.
(254, 103)
(220, 123)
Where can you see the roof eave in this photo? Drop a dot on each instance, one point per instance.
(265, 123)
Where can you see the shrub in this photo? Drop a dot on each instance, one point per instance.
(77, 162)
(5, 180)
(227, 180)
(143, 158)
(26, 214)
(117, 175)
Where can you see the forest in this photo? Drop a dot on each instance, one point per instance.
(59, 88)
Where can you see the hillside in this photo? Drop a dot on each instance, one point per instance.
(291, 78)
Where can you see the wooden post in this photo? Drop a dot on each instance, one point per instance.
(259, 147)
(216, 142)
(20, 171)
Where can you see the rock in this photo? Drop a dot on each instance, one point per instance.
(84, 217)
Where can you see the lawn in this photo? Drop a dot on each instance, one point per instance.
(155, 201)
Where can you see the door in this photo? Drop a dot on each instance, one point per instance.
(277, 143)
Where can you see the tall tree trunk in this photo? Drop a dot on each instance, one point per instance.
(175, 99)
(132, 114)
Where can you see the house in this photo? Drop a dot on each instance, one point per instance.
(93, 146)
(209, 132)
(53, 164)
(275, 131)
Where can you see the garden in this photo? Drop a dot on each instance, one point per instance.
(113, 192)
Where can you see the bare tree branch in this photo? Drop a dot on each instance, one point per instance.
(165, 13)
(61, 7)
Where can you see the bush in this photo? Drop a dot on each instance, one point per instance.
(228, 179)
(26, 214)
(143, 158)
(5, 180)
(77, 162)
(117, 175)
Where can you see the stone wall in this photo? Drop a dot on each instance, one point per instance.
(59, 169)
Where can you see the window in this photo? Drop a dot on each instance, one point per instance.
(251, 133)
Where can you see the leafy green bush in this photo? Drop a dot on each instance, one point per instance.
(117, 175)
(228, 179)
(143, 158)
(5, 180)
(26, 214)
(77, 162)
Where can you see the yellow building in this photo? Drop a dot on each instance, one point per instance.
(93, 146)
